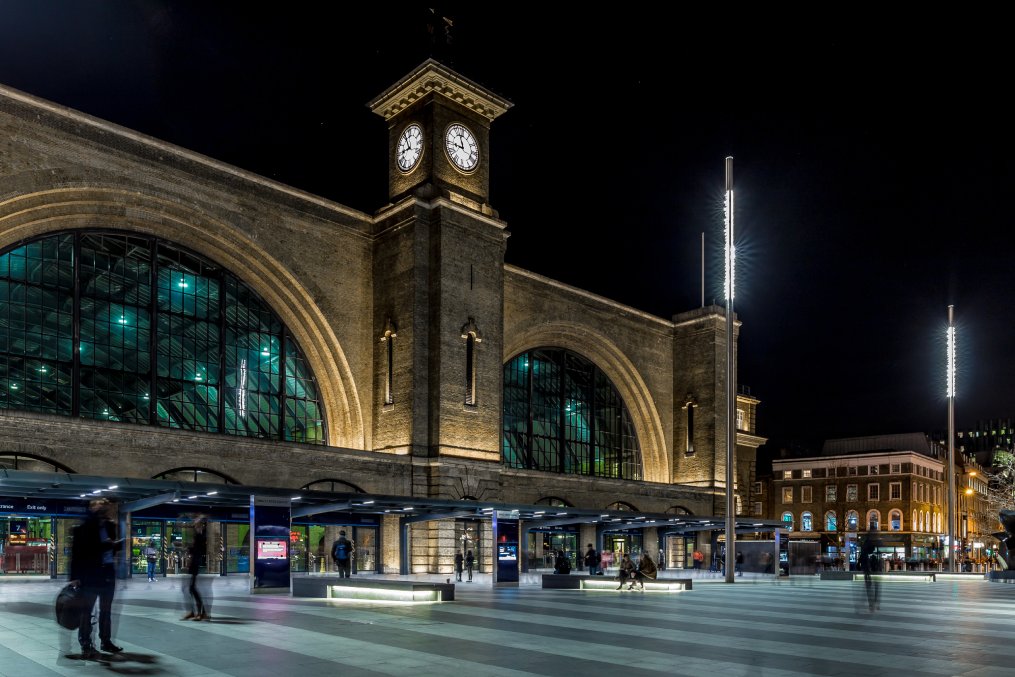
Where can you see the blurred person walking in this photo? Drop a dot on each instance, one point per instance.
(470, 561)
(341, 552)
(92, 568)
(870, 563)
(198, 549)
(646, 570)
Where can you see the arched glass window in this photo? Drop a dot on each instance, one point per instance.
(562, 414)
(553, 501)
(31, 463)
(787, 520)
(895, 520)
(195, 475)
(621, 505)
(164, 337)
(807, 522)
(873, 519)
(852, 520)
(678, 510)
(335, 486)
(831, 524)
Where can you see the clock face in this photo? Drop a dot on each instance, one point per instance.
(462, 147)
(410, 147)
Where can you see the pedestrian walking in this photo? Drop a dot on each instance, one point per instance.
(698, 558)
(341, 552)
(470, 561)
(459, 563)
(739, 568)
(870, 564)
(592, 560)
(92, 568)
(198, 548)
(152, 558)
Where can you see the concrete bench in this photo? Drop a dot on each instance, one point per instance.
(587, 582)
(334, 587)
(883, 575)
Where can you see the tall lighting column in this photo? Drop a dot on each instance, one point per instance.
(731, 390)
(950, 475)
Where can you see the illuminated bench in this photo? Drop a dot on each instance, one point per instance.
(881, 575)
(586, 582)
(376, 589)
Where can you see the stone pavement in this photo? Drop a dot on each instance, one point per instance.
(758, 627)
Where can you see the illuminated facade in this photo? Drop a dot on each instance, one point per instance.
(166, 313)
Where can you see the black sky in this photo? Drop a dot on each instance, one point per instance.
(872, 161)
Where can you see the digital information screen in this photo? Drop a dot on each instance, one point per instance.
(273, 549)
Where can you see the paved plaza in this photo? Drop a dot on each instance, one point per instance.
(757, 627)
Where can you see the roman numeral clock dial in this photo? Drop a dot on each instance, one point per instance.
(410, 147)
(463, 151)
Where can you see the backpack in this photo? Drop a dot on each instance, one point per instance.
(341, 550)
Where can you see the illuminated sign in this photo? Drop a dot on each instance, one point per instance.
(271, 549)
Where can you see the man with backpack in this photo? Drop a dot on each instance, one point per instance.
(592, 560)
(341, 552)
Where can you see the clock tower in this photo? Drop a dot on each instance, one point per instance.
(439, 135)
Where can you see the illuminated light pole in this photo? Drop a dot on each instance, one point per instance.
(951, 439)
(731, 391)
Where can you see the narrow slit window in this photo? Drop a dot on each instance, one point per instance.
(470, 370)
(389, 391)
(689, 448)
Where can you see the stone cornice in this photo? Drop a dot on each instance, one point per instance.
(430, 77)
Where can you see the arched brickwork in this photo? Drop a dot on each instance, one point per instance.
(35, 214)
(625, 377)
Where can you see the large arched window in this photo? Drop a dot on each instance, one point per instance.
(125, 327)
(807, 521)
(562, 414)
(831, 524)
(787, 520)
(873, 519)
(895, 520)
(12, 461)
(332, 485)
(195, 475)
(852, 520)
(554, 501)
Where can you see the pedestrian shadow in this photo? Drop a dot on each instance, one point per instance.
(124, 663)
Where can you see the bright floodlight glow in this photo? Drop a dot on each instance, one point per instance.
(730, 251)
(951, 362)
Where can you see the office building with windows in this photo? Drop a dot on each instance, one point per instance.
(894, 483)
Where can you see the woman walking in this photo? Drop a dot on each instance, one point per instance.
(198, 548)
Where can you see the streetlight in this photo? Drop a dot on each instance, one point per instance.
(731, 393)
(950, 375)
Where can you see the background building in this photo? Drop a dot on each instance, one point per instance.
(895, 482)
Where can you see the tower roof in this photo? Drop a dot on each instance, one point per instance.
(432, 77)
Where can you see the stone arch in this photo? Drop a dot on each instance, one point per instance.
(612, 361)
(678, 510)
(622, 505)
(36, 214)
(555, 501)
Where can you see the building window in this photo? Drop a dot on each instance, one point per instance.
(895, 491)
(806, 496)
(895, 469)
(851, 492)
(759, 488)
(562, 414)
(388, 339)
(787, 494)
(873, 492)
(915, 524)
(806, 474)
(830, 521)
(787, 520)
(852, 470)
(134, 329)
(872, 470)
(807, 522)
(689, 440)
(471, 336)
(830, 490)
(741, 420)
(895, 520)
(758, 509)
(852, 520)
(873, 519)
(787, 474)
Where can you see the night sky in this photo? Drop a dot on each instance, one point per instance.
(873, 165)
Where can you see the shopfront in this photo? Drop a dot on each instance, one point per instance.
(310, 542)
(35, 536)
(543, 545)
